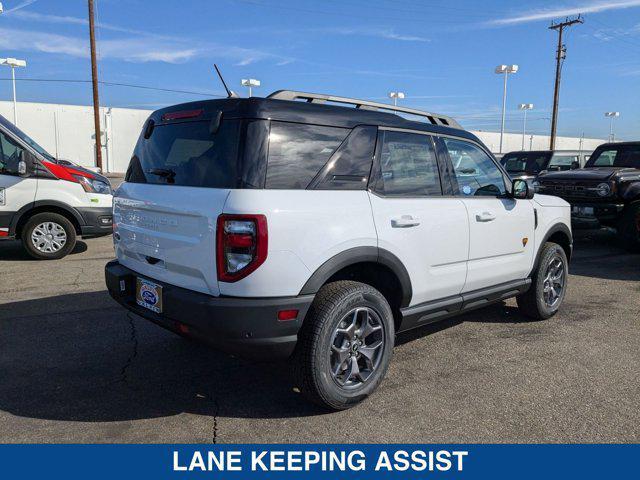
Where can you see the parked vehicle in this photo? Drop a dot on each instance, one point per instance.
(605, 193)
(529, 164)
(290, 226)
(45, 203)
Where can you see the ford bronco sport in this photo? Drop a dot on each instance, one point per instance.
(295, 226)
(605, 193)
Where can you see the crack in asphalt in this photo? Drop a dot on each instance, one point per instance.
(216, 411)
(134, 353)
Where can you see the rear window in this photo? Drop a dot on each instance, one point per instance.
(616, 156)
(188, 154)
(525, 162)
(297, 152)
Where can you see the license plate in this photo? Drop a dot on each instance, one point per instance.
(582, 211)
(149, 295)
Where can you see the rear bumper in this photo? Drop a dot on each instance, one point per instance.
(97, 221)
(245, 326)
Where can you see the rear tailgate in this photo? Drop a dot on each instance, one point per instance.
(168, 233)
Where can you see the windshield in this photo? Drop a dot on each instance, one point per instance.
(25, 138)
(528, 162)
(616, 156)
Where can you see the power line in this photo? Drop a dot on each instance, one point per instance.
(115, 84)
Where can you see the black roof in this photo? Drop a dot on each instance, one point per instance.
(619, 144)
(305, 112)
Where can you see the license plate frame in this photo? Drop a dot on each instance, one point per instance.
(149, 295)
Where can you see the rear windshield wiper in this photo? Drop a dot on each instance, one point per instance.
(164, 173)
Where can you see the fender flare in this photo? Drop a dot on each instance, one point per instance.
(360, 255)
(558, 227)
(44, 203)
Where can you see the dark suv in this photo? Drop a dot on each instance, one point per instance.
(604, 193)
(530, 164)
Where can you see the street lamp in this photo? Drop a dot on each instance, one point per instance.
(396, 96)
(13, 63)
(525, 107)
(504, 70)
(611, 116)
(250, 82)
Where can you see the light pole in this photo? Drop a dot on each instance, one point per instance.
(525, 107)
(396, 96)
(504, 70)
(13, 63)
(611, 116)
(250, 82)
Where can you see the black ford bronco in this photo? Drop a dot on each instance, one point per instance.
(605, 193)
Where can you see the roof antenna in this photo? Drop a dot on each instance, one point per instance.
(230, 93)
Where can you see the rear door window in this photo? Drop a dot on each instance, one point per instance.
(408, 165)
(297, 152)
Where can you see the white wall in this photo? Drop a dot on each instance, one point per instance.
(513, 141)
(66, 131)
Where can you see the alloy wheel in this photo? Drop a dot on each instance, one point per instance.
(554, 280)
(357, 347)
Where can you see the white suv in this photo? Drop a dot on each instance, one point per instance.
(277, 227)
(46, 202)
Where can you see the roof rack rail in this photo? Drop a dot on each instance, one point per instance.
(434, 118)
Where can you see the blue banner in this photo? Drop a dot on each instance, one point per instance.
(318, 461)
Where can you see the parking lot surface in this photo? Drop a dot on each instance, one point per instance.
(75, 367)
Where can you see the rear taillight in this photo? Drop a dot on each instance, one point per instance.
(241, 245)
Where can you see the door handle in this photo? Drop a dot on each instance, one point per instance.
(405, 221)
(485, 217)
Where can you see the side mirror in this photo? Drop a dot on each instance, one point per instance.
(22, 167)
(521, 190)
(575, 165)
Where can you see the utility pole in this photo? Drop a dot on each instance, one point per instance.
(94, 80)
(561, 54)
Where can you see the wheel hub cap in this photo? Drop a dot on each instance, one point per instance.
(357, 347)
(48, 237)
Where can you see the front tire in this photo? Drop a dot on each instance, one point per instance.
(548, 284)
(345, 345)
(48, 236)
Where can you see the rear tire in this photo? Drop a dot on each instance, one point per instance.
(346, 320)
(629, 227)
(48, 236)
(548, 284)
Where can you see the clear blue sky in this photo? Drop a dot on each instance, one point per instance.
(440, 53)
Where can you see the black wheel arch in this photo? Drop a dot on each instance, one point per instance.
(361, 255)
(43, 206)
(560, 234)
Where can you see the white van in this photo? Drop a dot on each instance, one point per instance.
(48, 203)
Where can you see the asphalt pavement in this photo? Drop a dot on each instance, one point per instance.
(75, 367)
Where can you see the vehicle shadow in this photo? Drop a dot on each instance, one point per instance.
(11, 250)
(81, 357)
